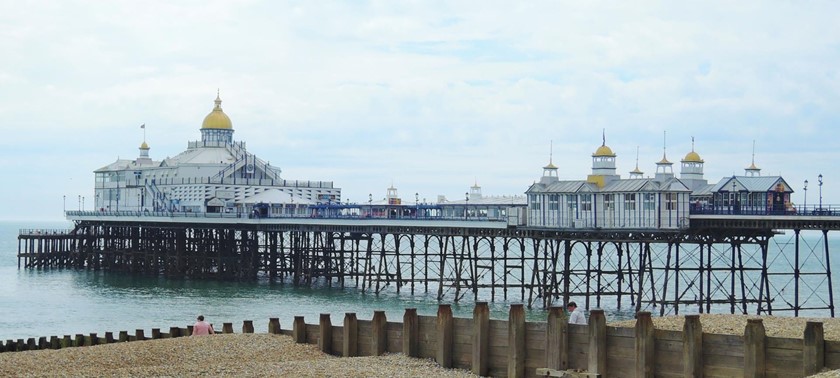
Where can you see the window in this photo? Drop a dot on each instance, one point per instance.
(649, 201)
(553, 202)
(586, 202)
(670, 201)
(609, 202)
(571, 202)
(630, 201)
(535, 203)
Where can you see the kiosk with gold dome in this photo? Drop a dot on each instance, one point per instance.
(214, 175)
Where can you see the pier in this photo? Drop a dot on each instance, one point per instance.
(720, 263)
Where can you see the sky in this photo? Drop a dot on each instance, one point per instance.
(428, 96)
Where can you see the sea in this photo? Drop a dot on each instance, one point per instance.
(36, 303)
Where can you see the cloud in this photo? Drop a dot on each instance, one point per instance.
(429, 96)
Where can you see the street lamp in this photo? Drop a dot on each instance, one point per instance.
(370, 205)
(64, 203)
(805, 201)
(467, 205)
(820, 181)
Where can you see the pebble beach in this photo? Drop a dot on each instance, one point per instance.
(265, 355)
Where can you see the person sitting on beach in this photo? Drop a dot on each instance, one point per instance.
(202, 328)
(575, 317)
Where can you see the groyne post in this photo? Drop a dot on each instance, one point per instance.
(247, 326)
(31, 344)
(55, 342)
(445, 323)
(274, 326)
(42, 343)
(325, 333)
(156, 333)
(380, 334)
(66, 342)
(557, 339)
(299, 330)
(227, 327)
(516, 341)
(692, 346)
(174, 332)
(80, 340)
(411, 333)
(350, 341)
(813, 348)
(644, 345)
(755, 345)
(481, 338)
(139, 335)
(94, 339)
(109, 337)
(597, 342)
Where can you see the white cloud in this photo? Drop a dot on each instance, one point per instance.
(433, 96)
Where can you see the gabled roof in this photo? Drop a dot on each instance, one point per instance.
(751, 184)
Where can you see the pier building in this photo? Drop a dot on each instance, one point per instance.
(214, 175)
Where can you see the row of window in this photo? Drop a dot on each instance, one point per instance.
(584, 201)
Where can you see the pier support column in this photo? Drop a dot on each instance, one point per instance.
(445, 324)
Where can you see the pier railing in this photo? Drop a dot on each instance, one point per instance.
(516, 348)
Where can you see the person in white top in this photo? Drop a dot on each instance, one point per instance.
(575, 316)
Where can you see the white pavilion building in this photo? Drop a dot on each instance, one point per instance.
(214, 175)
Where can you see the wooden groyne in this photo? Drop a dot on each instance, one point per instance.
(516, 348)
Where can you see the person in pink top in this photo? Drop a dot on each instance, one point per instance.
(202, 328)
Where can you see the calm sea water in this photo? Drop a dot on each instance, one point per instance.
(66, 302)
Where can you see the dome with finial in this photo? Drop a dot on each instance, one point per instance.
(603, 151)
(217, 119)
(692, 157)
(144, 146)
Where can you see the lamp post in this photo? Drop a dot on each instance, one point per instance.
(416, 204)
(467, 205)
(805, 201)
(370, 205)
(821, 182)
(80, 202)
(64, 203)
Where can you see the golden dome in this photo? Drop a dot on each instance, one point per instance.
(144, 146)
(550, 166)
(692, 157)
(603, 151)
(217, 119)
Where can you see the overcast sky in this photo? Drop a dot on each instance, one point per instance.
(428, 96)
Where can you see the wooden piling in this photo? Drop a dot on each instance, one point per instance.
(597, 342)
(227, 327)
(481, 338)
(813, 348)
(123, 336)
(247, 326)
(274, 326)
(43, 343)
(139, 335)
(411, 333)
(755, 346)
(31, 344)
(557, 339)
(350, 341)
(644, 345)
(444, 328)
(189, 330)
(80, 340)
(156, 333)
(325, 334)
(66, 342)
(109, 337)
(55, 342)
(94, 339)
(692, 346)
(299, 330)
(174, 332)
(379, 339)
(516, 341)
